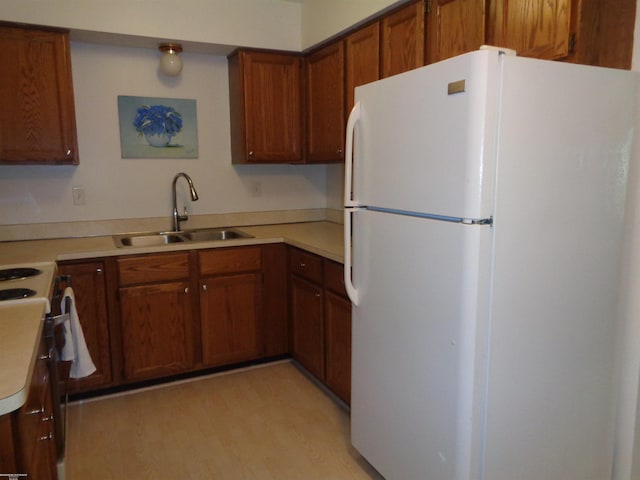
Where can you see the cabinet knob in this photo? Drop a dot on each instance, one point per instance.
(302, 265)
(317, 294)
(339, 151)
(204, 288)
(251, 153)
(186, 290)
(68, 152)
(99, 271)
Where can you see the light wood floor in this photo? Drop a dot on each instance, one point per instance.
(265, 423)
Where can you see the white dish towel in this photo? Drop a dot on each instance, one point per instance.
(75, 346)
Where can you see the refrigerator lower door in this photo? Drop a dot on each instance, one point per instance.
(416, 334)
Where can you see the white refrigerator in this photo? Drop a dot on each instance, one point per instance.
(483, 232)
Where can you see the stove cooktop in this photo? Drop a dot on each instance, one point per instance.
(19, 273)
(16, 293)
(27, 282)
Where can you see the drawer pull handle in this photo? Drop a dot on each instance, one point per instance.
(36, 411)
(49, 436)
(48, 419)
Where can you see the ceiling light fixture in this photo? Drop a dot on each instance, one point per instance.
(170, 62)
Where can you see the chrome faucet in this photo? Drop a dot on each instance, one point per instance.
(177, 218)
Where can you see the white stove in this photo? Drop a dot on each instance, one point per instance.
(27, 282)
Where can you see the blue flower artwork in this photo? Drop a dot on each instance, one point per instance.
(157, 127)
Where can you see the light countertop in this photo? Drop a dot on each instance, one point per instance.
(322, 238)
(20, 332)
(21, 324)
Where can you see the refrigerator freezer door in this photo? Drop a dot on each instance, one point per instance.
(564, 150)
(425, 139)
(415, 329)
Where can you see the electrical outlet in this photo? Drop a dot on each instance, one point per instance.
(78, 196)
(256, 188)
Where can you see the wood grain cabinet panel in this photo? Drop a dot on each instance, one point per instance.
(230, 318)
(157, 335)
(325, 104)
(338, 345)
(362, 59)
(307, 323)
(88, 282)
(533, 28)
(402, 41)
(454, 27)
(37, 118)
(231, 321)
(265, 91)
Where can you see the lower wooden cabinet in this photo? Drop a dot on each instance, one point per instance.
(230, 305)
(89, 286)
(320, 320)
(27, 435)
(156, 315)
(157, 336)
(337, 312)
(307, 325)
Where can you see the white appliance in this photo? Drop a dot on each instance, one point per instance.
(485, 203)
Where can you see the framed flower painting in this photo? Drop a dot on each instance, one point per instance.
(157, 127)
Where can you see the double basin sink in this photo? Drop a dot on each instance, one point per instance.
(155, 239)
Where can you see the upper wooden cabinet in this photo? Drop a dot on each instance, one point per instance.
(265, 96)
(362, 59)
(590, 33)
(402, 40)
(533, 28)
(454, 27)
(37, 118)
(325, 104)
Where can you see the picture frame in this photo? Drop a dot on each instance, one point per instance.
(155, 127)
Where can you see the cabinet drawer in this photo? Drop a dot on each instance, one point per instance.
(229, 260)
(306, 265)
(334, 277)
(153, 268)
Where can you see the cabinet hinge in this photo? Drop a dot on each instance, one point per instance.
(572, 43)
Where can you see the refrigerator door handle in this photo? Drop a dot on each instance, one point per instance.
(354, 117)
(349, 203)
(352, 293)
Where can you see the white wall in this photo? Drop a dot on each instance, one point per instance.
(322, 19)
(267, 23)
(131, 188)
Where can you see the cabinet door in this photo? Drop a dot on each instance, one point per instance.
(338, 345)
(37, 118)
(265, 91)
(534, 28)
(230, 318)
(156, 328)
(88, 282)
(362, 59)
(307, 324)
(454, 27)
(403, 40)
(325, 104)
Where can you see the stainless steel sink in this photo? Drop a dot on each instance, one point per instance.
(148, 240)
(156, 239)
(212, 234)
